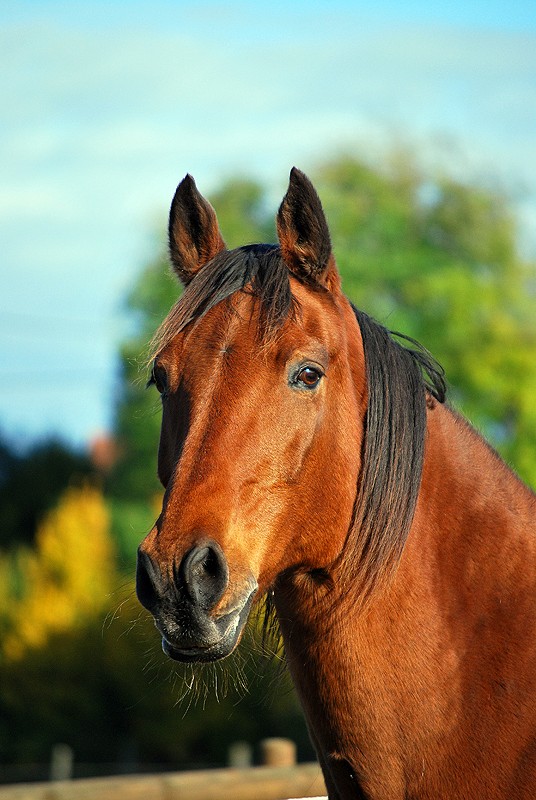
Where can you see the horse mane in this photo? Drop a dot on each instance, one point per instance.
(401, 380)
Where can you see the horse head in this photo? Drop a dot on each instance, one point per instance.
(261, 373)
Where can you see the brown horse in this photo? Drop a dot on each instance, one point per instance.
(307, 454)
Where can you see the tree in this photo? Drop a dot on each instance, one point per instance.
(65, 581)
(31, 484)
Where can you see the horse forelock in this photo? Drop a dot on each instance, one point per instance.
(254, 269)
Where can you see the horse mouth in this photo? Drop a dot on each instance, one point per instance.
(195, 654)
(229, 626)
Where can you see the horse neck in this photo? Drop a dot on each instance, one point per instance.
(360, 677)
(469, 500)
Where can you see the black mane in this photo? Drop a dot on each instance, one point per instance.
(401, 381)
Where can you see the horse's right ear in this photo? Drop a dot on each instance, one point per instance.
(194, 235)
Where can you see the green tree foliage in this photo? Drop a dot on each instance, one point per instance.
(426, 255)
(31, 484)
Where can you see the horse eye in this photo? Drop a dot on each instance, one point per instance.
(309, 377)
(159, 379)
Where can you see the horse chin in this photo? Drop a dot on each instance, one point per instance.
(196, 655)
(231, 626)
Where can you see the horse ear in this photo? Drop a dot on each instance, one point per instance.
(194, 235)
(303, 232)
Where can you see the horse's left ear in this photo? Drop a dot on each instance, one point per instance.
(303, 233)
(194, 235)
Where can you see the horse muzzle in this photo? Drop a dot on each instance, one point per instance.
(187, 603)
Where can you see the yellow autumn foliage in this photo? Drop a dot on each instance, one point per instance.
(67, 577)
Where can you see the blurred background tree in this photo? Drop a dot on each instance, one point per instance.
(48, 468)
(67, 576)
(426, 255)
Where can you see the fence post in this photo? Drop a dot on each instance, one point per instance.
(61, 763)
(278, 753)
(240, 755)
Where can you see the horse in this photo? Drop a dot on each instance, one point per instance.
(309, 456)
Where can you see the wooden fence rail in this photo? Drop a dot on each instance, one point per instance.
(253, 783)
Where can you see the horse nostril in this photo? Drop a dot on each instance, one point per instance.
(148, 579)
(204, 574)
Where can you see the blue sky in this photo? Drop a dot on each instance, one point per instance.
(105, 106)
